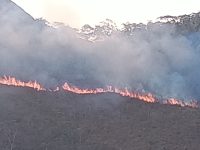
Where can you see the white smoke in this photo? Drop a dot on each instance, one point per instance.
(154, 60)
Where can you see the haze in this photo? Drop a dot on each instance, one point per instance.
(76, 13)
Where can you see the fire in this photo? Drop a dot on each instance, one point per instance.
(109, 89)
(173, 101)
(77, 90)
(7, 80)
(147, 97)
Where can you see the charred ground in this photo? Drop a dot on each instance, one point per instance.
(31, 120)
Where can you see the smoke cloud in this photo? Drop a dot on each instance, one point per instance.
(156, 60)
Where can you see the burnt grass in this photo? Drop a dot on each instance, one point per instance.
(31, 120)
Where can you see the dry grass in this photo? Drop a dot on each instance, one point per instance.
(31, 120)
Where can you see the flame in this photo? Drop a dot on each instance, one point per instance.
(147, 97)
(7, 80)
(173, 101)
(77, 90)
(109, 89)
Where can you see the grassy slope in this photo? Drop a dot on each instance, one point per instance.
(64, 121)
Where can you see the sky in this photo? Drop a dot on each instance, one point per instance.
(76, 13)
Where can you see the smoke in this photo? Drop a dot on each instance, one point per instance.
(156, 60)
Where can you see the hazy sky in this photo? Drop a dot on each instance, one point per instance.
(79, 12)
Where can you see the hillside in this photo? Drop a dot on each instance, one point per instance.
(33, 120)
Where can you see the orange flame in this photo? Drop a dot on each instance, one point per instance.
(147, 97)
(7, 80)
(144, 97)
(173, 101)
(77, 90)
